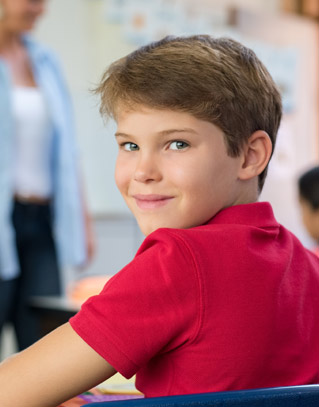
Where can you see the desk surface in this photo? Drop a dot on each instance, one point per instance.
(53, 311)
(54, 303)
(114, 389)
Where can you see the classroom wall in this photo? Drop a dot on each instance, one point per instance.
(87, 41)
(75, 30)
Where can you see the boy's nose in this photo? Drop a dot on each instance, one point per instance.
(147, 169)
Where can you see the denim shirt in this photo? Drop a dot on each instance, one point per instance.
(69, 229)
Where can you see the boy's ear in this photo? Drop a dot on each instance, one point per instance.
(256, 155)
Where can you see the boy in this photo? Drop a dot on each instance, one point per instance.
(219, 296)
(308, 185)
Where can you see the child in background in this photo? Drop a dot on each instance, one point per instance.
(308, 185)
(219, 296)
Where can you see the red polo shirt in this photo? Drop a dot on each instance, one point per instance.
(232, 304)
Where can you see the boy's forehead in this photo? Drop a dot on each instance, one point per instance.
(160, 118)
(143, 119)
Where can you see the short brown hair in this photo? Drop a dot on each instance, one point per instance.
(214, 79)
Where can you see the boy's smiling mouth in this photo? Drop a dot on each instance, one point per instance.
(151, 201)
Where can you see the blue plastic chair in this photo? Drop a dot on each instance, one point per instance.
(292, 396)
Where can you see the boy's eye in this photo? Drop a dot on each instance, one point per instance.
(178, 145)
(130, 146)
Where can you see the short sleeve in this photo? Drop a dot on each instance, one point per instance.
(148, 308)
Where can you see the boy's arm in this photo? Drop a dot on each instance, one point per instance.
(56, 368)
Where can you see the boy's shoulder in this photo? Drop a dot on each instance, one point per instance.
(257, 214)
(221, 230)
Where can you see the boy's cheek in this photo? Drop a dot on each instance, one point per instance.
(122, 186)
(122, 175)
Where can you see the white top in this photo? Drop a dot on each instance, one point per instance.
(33, 143)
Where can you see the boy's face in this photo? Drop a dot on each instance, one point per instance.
(173, 170)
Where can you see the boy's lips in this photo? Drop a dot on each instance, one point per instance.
(151, 201)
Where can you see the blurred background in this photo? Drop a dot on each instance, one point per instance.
(88, 35)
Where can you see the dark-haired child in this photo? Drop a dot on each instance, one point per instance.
(308, 186)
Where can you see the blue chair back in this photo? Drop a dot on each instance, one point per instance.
(292, 396)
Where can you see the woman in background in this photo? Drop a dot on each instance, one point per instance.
(43, 220)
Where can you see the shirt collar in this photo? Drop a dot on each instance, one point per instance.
(258, 214)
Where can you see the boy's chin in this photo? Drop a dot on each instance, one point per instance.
(147, 229)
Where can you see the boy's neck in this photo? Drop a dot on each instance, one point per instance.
(248, 192)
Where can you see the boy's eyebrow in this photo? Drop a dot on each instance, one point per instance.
(163, 132)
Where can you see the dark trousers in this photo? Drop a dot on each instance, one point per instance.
(39, 271)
